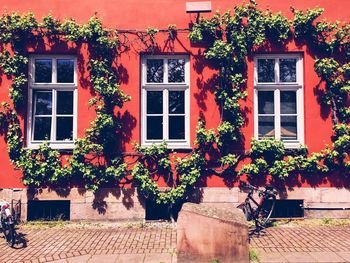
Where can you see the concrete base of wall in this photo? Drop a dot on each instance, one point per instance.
(126, 204)
(107, 204)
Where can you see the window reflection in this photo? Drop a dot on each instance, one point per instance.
(65, 70)
(266, 70)
(155, 71)
(43, 71)
(176, 69)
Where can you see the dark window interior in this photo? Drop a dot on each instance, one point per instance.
(288, 209)
(161, 212)
(48, 210)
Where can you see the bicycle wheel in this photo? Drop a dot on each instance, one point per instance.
(265, 212)
(8, 229)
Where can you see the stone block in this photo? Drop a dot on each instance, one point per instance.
(309, 195)
(113, 195)
(335, 195)
(106, 212)
(219, 195)
(206, 233)
(76, 195)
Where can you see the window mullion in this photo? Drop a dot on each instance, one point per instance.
(33, 117)
(277, 114)
(54, 70)
(166, 71)
(53, 116)
(277, 71)
(165, 114)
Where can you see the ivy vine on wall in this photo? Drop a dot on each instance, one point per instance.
(229, 39)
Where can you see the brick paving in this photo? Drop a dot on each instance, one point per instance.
(47, 245)
(157, 244)
(303, 244)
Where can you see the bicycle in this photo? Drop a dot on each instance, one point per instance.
(259, 211)
(7, 223)
(9, 216)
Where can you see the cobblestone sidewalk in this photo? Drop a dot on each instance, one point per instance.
(303, 244)
(134, 244)
(155, 244)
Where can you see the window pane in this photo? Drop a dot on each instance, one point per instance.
(177, 127)
(288, 102)
(42, 128)
(176, 70)
(65, 70)
(43, 71)
(155, 70)
(288, 72)
(177, 102)
(64, 102)
(266, 70)
(289, 128)
(154, 127)
(43, 102)
(64, 129)
(266, 126)
(266, 102)
(154, 102)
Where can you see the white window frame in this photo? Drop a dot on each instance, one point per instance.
(54, 87)
(165, 87)
(276, 87)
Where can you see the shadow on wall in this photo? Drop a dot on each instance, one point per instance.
(99, 200)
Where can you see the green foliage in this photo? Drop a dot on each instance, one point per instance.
(253, 256)
(326, 68)
(231, 160)
(303, 22)
(270, 149)
(152, 31)
(14, 66)
(277, 27)
(42, 166)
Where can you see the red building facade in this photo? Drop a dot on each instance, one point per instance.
(170, 90)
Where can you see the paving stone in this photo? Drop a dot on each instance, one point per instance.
(79, 259)
(327, 257)
(344, 255)
(103, 258)
(58, 261)
(130, 258)
(271, 257)
(302, 257)
(158, 258)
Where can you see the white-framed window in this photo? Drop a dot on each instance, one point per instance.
(165, 101)
(52, 101)
(278, 98)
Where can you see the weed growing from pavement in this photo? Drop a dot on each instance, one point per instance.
(253, 256)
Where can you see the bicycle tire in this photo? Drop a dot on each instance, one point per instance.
(8, 229)
(264, 214)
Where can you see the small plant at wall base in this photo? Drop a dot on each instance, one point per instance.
(230, 38)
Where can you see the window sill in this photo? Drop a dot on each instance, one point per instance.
(56, 146)
(294, 145)
(179, 146)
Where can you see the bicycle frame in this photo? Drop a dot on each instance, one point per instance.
(256, 210)
(249, 207)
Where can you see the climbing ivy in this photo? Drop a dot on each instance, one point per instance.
(228, 38)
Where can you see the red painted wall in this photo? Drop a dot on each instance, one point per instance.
(140, 14)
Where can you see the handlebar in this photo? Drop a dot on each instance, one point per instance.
(269, 190)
